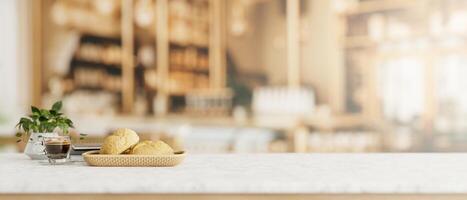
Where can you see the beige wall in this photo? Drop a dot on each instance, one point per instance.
(322, 61)
(273, 42)
(264, 49)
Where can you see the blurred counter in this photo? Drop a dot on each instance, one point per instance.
(209, 134)
(196, 135)
(101, 125)
(372, 176)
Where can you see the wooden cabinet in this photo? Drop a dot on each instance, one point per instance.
(140, 54)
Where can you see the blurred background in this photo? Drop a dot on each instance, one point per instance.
(242, 76)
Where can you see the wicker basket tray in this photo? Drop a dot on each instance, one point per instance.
(93, 158)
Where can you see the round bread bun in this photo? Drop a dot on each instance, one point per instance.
(120, 141)
(152, 148)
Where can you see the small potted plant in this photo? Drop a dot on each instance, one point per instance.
(42, 123)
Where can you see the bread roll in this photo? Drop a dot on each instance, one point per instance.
(152, 148)
(120, 141)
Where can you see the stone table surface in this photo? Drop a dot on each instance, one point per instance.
(246, 174)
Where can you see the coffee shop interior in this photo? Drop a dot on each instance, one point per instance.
(242, 76)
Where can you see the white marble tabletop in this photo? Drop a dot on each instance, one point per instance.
(247, 174)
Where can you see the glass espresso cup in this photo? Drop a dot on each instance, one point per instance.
(57, 149)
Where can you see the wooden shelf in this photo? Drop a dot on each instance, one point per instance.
(120, 30)
(174, 44)
(84, 63)
(366, 7)
(359, 41)
(192, 70)
(100, 39)
(95, 89)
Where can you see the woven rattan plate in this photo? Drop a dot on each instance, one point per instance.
(93, 158)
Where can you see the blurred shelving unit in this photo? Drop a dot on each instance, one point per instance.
(138, 56)
(366, 27)
(397, 56)
(166, 57)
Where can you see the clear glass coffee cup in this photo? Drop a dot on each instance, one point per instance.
(57, 149)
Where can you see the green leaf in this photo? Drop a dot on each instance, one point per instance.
(24, 124)
(19, 134)
(57, 106)
(43, 118)
(34, 110)
(35, 116)
(17, 141)
(45, 113)
(24, 120)
(69, 123)
(82, 134)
